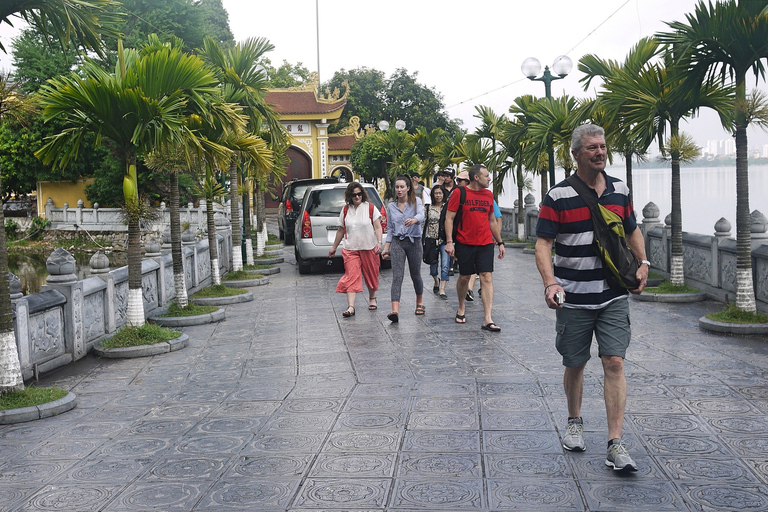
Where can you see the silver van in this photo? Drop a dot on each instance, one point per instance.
(317, 222)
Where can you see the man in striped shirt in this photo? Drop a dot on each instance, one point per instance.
(590, 305)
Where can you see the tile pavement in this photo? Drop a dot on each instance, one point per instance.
(287, 406)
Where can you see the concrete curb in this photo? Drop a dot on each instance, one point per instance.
(265, 271)
(224, 301)
(705, 324)
(268, 261)
(143, 350)
(670, 297)
(516, 245)
(38, 412)
(529, 251)
(246, 283)
(186, 321)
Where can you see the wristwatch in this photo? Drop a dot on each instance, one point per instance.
(500, 243)
(646, 262)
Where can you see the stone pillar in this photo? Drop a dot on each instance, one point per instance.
(722, 230)
(188, 241)
(529, 204)
(20, 306)
(62, 278)
(152, 250)
(64, 213)
(166, 237)
(99, 264)
(79, 213)
(48, 208)
(96, 212)
(758, 227)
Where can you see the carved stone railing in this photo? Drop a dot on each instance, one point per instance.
(63, 322)
(709, 262)
(99, 219)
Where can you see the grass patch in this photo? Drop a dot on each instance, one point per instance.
(147, 334)
(530, 246)
(654, 275)
(30, 397)
(218, 290)
(257, 267)
(733, 315)
(273, 238)
(516, 241)
(240, 275)
(667, 288)
(191, 310)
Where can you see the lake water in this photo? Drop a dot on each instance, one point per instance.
(707, 193)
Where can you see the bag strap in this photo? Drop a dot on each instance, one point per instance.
(583, 190)
(346, 209)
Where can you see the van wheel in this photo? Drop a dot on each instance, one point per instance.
(305, 267)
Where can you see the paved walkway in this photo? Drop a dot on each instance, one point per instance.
(287, 406)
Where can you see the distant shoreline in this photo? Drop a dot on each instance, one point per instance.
(699, 163)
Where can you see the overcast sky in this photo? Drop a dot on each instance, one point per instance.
(470, 52)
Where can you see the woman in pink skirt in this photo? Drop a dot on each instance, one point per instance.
(360, 229)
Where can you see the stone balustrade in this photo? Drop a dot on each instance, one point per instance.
(63, 322)
(710, 261)
(99, 219)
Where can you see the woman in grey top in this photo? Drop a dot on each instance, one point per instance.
(404, 217)
(439, 270)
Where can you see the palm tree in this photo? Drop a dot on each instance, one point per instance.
(551, 121)
(141, 105)
(244, 82)
(720, 42)
(83, 20)
(173, 161)
(13, 106)
(491, 126)
(650, 98)
(608, 111)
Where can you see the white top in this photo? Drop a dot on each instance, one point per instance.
(360, 234)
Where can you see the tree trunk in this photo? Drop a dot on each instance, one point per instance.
(544, 182)
(628, 179)
(234, 207)
(745, 291)
(135, 308)
(676, 268)
(260, 221)
(247, 228)
(179, 282)
(213, 249)
(10, 367)
(520, 204)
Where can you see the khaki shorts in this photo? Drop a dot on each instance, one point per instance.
(575, 327)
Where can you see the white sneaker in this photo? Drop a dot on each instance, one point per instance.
(573, 439)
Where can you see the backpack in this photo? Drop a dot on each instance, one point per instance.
(619, 262)
(346, 209)
(456, 219)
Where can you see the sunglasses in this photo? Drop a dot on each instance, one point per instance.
(357, 194)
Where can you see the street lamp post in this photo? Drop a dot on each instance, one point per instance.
(531, 68)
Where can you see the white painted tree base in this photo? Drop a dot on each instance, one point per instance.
(521, 231)
(249, 252)
(215, 276)
(745, 291)
(135, 311)
(676, 274)
(180, 287)
(10, 368)
(237, 259)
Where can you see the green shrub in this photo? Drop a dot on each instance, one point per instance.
(10, 229)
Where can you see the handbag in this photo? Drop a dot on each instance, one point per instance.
(619, 262)
(430, 253)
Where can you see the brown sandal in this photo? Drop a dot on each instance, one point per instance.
(350, 311)
(420, 310)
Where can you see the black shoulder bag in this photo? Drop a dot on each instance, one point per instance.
(619, 262)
